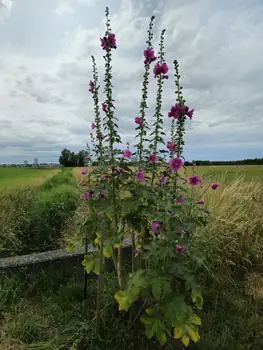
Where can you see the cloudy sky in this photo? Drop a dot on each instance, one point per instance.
(45, 68)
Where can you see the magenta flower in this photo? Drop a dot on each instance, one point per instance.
(83, 171)
(179, 249)
(214, 186)
(176, 163)
(127, 154)
(201, 202)
(108, 42)
(152, 158)
(138, 120)
(179, 234)
(171, 146)
(194, 180)
(140, 176)
(160, 70)
(149, 55)
(88, 194)
(86, 158)
(93, 126)
(180, 200)
(91, 86)
(162, 180)
(101, 196)
(178, 112)
(104, 107)
(157, 227)
(114, 173)
(120, 170)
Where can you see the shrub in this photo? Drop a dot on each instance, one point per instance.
(62, 178)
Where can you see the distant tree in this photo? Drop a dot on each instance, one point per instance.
(65, 157)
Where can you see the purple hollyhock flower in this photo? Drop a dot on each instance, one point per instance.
(104, 107)
(162, 180)
(83, 171)
(176, 163)
(140, 176)
(180, 200)
(152, 158)
(178, 112)
(179, 249)
(171, 146)
(127, 154)
(114, 173)
(120, 170)
(93, 126)
(160, 69)
(214, 186)
(91, 85)
(108, 42)
(101, 196)
(194, 180)
(149, 55)
(157, 226)
(179, 234)
(88, 194)
(201, 202)
(138, 120)
(188, 112)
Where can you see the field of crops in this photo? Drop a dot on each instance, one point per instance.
(11, 178)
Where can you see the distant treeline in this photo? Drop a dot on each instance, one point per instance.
(255, 161)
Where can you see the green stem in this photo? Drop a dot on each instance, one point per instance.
(99, 280)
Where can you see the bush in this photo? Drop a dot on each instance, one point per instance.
(64, 177)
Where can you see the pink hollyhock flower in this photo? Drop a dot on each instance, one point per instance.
(149, 55)
(120, 170)
(162, 180)
(201, 202)
(188, 112)
(194, 180)
(108, 42)
(104, 107)
(91, 85)
(86, 158)
(160, 69)
(179, 249)
(214, 186)
(138, 120)
(152, 158)
(127, 154)
(93, 126)
(101, 196)
(178, 112)
(83, 171)
(140, 176)
(114, 173)
(176, 163)
(171, 146)
(157, 227)
(180, 200)
(88, 194)
(179, 234)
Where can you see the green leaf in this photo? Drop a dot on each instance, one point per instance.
(197, 298)
(154, 326)
(125, 298)
(88, 263)
(195, 320)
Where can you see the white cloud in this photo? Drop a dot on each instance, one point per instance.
(63, 9)
(5, 9)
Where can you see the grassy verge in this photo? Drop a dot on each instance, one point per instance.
(32, 219)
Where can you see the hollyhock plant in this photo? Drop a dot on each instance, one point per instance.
(149, 55)
(141, 205)
(140, 176)
(152, 158)
(214, 186)
(127, 154)
(176, 164)
(201, 202)
(194, 180)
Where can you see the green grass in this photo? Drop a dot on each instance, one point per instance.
(11, 178)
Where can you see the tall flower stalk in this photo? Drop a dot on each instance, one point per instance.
(143, 126)
(94, 89)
